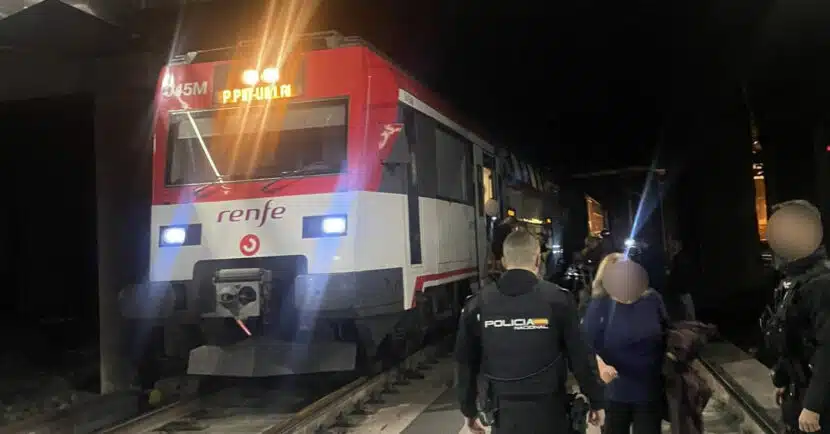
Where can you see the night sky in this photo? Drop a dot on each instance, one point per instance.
(541, 79)
(596, 84)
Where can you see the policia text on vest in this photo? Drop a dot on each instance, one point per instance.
(515, 342)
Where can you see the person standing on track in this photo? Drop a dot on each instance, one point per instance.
(515, 340)
(797, 326)
(625, 323)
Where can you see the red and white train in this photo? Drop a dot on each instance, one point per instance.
(316, 217)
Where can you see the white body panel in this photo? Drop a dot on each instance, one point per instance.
(376, 236)
(479, 241)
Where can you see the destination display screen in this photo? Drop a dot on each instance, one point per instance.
(235, 84)
(256, 93)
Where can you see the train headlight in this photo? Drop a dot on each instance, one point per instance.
(334, 225)
(270, 75)
(173, 236)
(184, 235)
(250, 77)
(321, 226)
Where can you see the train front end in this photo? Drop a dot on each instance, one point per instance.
(254, 215)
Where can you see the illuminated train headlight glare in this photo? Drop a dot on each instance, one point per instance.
(334, 225)
(325, 226)
(271, 75)
(250, 77)
(173, 236)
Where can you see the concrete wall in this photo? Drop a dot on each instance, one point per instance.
(123, 94)
(27, 76)
(123, 115)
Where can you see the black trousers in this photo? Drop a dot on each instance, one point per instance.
(791, 410)
(793, 429)
(639, 418)
(541, 416)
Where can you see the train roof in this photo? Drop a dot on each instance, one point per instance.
(519, 170)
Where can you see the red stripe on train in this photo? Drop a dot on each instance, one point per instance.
(421, 280)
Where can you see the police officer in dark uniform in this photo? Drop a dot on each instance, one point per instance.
(516, 339)
(797, 325)
(501, 231)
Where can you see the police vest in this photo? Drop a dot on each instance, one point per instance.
(780, 325)
(521, 343)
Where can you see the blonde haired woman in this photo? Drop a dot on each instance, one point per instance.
(597, 290)
(624, 323)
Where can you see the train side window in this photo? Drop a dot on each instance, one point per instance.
(487, 182)
(469, 173)
(407, 116)
(452, 160)
(424, 149)
(489, 178)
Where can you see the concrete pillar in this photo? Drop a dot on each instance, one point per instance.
(730, 242)
(710, 133)
(790, 91)
(123, 150)
(716, 214)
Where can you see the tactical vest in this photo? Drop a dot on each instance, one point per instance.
(520, 343)
(782, 328)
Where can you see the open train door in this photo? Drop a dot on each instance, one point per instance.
(487, 207)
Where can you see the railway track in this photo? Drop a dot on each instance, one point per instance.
(731, 409)
(308, 407)
(339, 404)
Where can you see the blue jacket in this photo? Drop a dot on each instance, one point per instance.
(629, 337)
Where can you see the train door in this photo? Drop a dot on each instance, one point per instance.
(486, 190)
(412, 190)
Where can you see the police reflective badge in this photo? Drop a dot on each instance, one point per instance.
(518, 323)
(787, 284)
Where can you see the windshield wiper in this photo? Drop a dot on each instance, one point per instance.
(205, 150)
(310, 169)
(198, 190)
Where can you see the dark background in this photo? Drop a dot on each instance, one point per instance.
(577, 86)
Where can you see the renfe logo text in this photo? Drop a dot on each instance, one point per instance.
(267, 212)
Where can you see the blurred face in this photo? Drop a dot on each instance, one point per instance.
(794, 233)
(625, 281)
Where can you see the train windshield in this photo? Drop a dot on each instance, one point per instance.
(249, 143)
